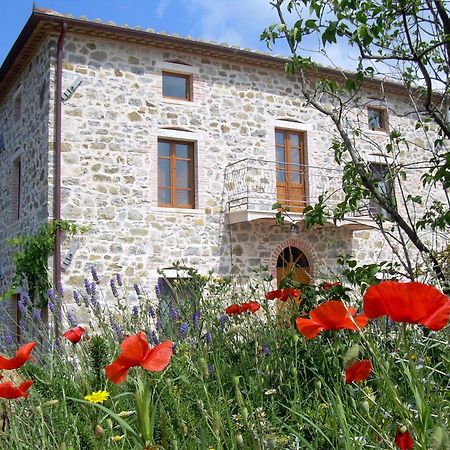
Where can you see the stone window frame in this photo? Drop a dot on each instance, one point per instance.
(16, 210)
(181, 69)
(374, 208)
(199, 169)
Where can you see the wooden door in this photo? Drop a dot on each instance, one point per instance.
(293, 262)
(291, 169)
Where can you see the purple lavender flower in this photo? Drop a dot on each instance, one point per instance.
(116, 328)
(135, 311)
(196, 319)
(71, 319)
(7, 337)
(210, 368)
(87, 286)
(174, 314)
(52, 296)
(152, 312)
(223, 319)
(184, 328)
(21, 304)
(208, 337)
(158, 288)
(112, 283)
(26, 299)
(76, 297)
(60, 289)
(158, 324)
(51, 307)
(154, 338)
(119, 279)
(37, 315)
(94, 275)
(93, 288)
(137, 289)
(265, 349)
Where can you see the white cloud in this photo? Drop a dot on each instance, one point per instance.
(161, 8)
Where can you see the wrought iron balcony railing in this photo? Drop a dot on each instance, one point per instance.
(255, 185)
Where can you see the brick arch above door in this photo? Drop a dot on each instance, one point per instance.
(301, 245)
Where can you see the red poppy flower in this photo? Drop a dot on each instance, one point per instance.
(358, 371)
(74, 335)
(404, 441)
(9, 391)
(22, 356)
(408, 302)
(282, 294)
(137, 352)
(329, 285)
(243, 307)
(331, 315)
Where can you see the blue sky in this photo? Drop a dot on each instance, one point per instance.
(237, 22)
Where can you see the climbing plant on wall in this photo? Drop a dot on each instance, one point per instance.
(31, 259)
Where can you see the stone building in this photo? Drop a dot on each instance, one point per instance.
(173, 150)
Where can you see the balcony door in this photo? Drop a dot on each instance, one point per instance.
(291, 169)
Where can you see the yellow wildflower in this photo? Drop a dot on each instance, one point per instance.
(117, 437)
(97, 397)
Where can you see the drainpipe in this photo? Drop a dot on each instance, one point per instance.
(57, 163)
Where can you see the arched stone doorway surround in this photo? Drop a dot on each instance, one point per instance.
(302, 246)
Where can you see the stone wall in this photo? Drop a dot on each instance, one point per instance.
(112, 123)
(25, 138)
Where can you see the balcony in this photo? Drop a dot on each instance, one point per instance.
(252, 186)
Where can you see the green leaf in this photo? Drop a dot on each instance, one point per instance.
(351, 355)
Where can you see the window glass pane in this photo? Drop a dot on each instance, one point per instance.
(295, 140)
(295, 157)
(164, 196)
(183, 174)
(175, 86)
(375, 120)
(182, 197)
(280, 155)
(279, 138)
(164, 172)
(182, 150)
(163, 148)
(294, 175)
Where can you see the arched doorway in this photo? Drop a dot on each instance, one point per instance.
(294, 263)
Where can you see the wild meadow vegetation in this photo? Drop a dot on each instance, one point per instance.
(223, 366)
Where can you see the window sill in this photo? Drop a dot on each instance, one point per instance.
(174, 101)
(185, 211)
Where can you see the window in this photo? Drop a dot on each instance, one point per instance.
(176, 85)
(176, 174)
(377, 119)
(16, 188)
(17, 112)
(385, 187)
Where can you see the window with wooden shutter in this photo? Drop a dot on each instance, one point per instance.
(16, 188)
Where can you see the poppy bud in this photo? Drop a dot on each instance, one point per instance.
(109, 424)
(236, 381)
(403, 429)
(217, 423)
(295, 338)
(62, 446)
(436, 438)
(204, 367)
(240, 440)
(318, 385)
(125, 413)
(99, 431)
(272, 441)
(183, 428)
(365, 406)
(353, 402)
(245, 414)
(294, 371)
(38, 409)
(51, 403)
